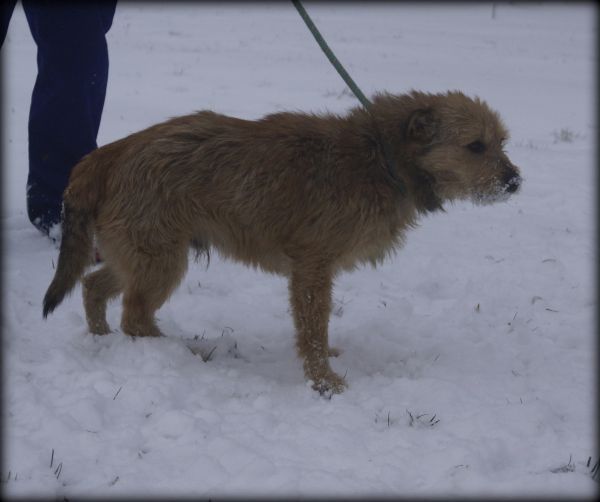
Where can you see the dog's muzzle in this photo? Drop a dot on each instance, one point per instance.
(511, 181)
(513, 184)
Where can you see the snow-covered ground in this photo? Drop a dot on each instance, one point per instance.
(469, 355)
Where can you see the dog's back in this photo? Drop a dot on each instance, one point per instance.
(259, 191)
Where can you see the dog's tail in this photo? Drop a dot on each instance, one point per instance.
(80, 203)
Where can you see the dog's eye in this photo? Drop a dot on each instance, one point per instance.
(476, 147)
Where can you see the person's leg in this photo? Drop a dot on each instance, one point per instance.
(6, 10)
(67, 99)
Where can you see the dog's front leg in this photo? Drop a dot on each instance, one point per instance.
(310, 295)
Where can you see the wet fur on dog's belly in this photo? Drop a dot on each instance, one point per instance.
(238, 242)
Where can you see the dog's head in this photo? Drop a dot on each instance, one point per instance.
(459, 143)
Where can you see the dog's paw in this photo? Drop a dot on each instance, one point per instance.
(329, 384)
(99, 328)
(143, 332)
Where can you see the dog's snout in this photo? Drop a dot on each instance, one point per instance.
(512, 181)
(510, 177)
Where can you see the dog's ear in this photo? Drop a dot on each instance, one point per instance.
(421, 125)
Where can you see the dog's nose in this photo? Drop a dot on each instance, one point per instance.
(512, 182)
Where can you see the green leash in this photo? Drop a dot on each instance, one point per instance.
(353, 87)
(331, 56)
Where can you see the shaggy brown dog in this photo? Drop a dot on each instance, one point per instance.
(300, 195)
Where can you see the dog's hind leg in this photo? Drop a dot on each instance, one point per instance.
(99, 287)
(310, 295)
(151, 280)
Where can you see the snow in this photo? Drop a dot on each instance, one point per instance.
(469, 355)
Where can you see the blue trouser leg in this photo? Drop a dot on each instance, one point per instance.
(68, 96)
(6, 10)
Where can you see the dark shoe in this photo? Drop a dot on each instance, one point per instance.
(44, 212)
(50, 229)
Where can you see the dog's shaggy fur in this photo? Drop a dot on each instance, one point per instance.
(301, 195)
